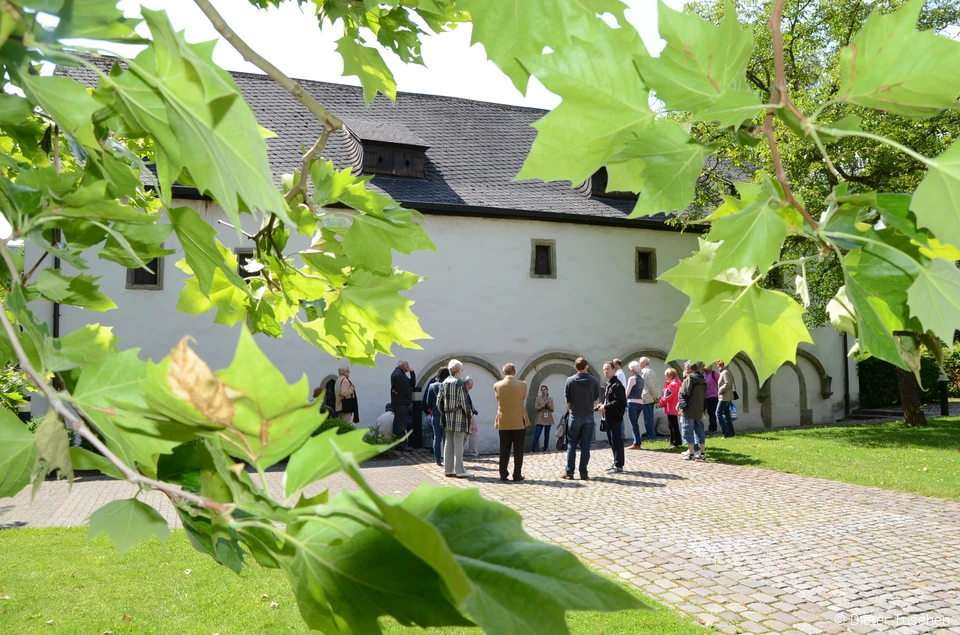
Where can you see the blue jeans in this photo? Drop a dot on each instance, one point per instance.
(580, 432)
(536, 438)
(691, 430)
(439, 436)
(633, 411)
(648, 422)
(723, 416)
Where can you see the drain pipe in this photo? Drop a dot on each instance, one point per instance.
(846, 378)
(56, 305)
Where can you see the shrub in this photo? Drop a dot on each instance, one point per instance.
(342, 426)
(879, 387)
(951, 362)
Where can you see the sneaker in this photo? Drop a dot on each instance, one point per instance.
(687, 456)
(701, 457)
(464, 475)
(615, 470)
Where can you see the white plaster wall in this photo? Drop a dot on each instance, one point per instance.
(478, 298)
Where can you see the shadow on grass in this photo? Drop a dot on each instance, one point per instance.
(721, 455)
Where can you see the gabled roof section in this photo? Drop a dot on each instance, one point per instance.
(473, 149)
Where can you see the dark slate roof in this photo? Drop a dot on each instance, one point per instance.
(474, 149)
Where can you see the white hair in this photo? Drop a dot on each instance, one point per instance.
(401, 363)
(645, 361)
(454, 366)
(634, 367)
(468, 379)
(342, 370)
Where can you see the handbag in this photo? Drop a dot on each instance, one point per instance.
(603, 425)
(734, 415)
(736, 395)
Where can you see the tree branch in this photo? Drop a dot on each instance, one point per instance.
(780, 80)
(301, 186)
(329, 120)
(74, 420)
(34, 267)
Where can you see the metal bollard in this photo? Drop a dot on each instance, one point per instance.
(944, 395)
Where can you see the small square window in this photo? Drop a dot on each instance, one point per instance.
(141, 279)
(543, 258)
(243, 257)
(646, 265)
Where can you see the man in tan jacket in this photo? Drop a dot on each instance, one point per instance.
(512, 420)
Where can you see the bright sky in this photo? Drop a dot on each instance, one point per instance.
(291, 40)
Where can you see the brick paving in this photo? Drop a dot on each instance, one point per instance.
(741, 549)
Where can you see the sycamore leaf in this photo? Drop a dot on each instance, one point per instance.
(751, 237)
(317, 458)
(731, 314)
(127, 522)
(366, 63)
(703, 67)
(81, 291)
(672, 163)
(876, 71)
(14, 109)
(934, 298)
(191, 380)
(53, 451)
(604, 100)
(843, 316)
(69, 102)
(229, 300)
(17, 452)
(201, 248)
(271, 418)
(199, 122)
(515, 31)
(86, 344)
(936, 203)
(370, 240)
(146, 242)
(86, 460)
(371, 309)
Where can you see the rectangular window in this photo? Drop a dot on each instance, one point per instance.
(141, 279)
(243, 257)
(543, 258)
(646, 266)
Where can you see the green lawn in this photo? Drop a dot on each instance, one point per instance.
(889, 455)
(54, 581)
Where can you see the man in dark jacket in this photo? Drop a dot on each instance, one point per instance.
(691, 405)
(611, 410)
(401, 398)
(581, 392)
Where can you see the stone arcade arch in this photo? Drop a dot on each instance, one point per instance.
(432, 368)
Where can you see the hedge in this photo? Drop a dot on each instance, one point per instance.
(879, 387)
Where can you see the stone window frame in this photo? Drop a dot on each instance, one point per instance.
(541, 242)
(133, 286)
(653, 264)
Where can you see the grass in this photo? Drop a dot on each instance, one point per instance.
(54, 581)
(890, 455)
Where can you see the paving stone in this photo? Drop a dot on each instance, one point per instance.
(815, 549)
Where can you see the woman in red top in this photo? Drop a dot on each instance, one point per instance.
(668, 401)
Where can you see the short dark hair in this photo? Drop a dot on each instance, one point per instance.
(443, 374)
(580, 364)
(610, 364)
(617, 363)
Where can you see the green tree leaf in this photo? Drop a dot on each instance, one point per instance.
(127, 522)
(228, 299)
(371, 311)
(68, 102)
(86, 460)
(750, 237)
(199, 122)
(317, 459)
(936, 202)
(81, 291)
(370, 240)
(517, 30)
(604, 100)
(672, 161)
(703, 68)
(17, 454)
(86, 344)
(934, 298)
(14, 109)
(203, 253)
(732, 314)
(875, 71)
(366, 63)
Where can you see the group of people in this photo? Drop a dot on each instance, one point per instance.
(448, 410)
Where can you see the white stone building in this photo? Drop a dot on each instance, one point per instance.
(530, 273)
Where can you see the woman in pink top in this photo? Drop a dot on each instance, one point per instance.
(671, 395)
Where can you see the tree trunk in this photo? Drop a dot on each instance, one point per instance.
(910, 398)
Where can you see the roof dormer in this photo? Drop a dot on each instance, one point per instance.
(389, 148)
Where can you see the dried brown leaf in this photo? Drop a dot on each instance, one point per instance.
(192, 380)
